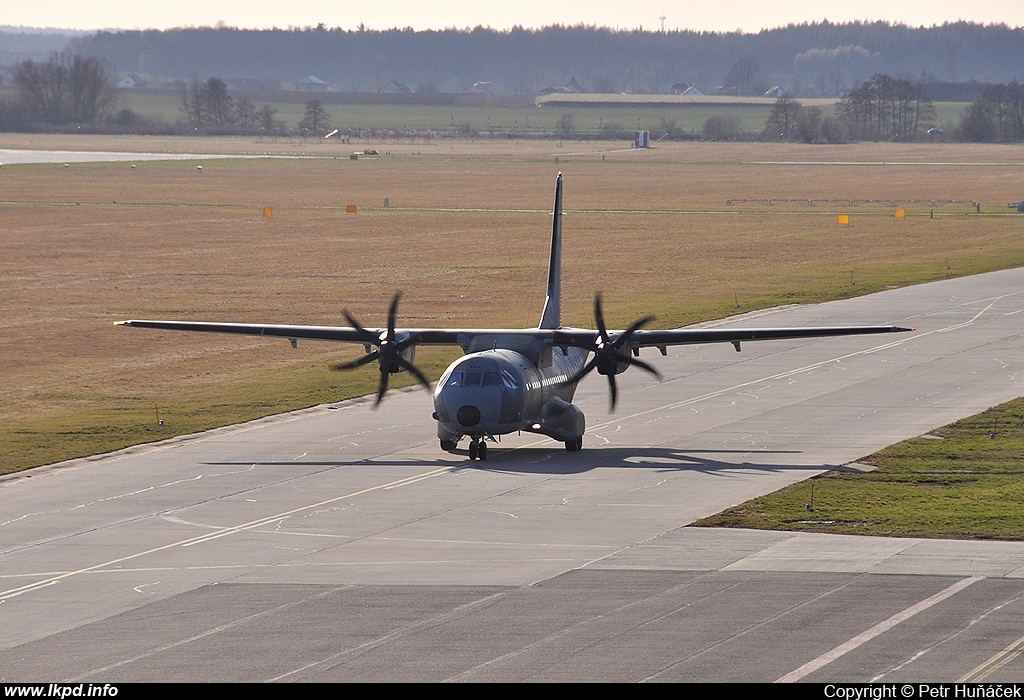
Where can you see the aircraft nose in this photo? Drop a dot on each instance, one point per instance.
(468, 416)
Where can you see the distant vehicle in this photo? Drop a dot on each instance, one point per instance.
(513, 380)
(935, 131)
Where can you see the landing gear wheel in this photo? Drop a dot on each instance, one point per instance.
(477, 450)
(448, 445)
(574, 445)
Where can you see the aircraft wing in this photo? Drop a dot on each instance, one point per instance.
(637, 339)
(567, 337)
(340, 334)
(696, 336)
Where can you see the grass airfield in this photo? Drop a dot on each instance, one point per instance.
(464, 235)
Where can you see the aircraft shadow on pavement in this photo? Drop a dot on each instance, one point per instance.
(551, 460)
(661, 459)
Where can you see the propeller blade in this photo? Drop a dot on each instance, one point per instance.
(599, 318)
(644, 366)
(609, 354)
(382, 388)
(388, 353)
(358, 326)
(583, 372)
(613, 388)
(633, 328)
(365, 359)
(392, 314)
(414, 371)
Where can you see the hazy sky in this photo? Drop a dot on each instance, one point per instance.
(710, 15)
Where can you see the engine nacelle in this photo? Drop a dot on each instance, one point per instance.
(561, 420)
(609, 364)
(390, 365)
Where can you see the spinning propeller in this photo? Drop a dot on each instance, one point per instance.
(609, 354)
(390, 351)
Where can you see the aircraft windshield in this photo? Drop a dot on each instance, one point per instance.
(476, 378)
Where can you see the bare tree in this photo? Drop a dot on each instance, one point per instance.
(219, 104)
(886, 108)
(245, 113)
(783, 119)
(90, 89)
(997, 114)
(208, 103)
(745, 77)
(192, 107)
(65, 89)
(268, 120)
(316, 118)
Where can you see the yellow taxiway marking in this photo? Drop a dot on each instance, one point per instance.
(998, 660)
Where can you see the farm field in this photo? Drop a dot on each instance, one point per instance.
(505, 117)
(689, 232)
(494, 117)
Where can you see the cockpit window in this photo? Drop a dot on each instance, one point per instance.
(476, 377)
(510, 381)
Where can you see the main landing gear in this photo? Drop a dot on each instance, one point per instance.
(477, 448)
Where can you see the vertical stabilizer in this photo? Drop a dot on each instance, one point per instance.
(552, 316)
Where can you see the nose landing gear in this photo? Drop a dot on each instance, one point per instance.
(477, 449)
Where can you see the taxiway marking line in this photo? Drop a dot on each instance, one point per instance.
(786, 373)
(218, 533)
(982, 671)
(883, 626)
(398, 482)
(814, 365)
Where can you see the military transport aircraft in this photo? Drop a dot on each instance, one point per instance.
(513, 380)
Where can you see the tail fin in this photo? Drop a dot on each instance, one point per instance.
(552, 316)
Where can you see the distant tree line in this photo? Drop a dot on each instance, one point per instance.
(881, 108)
(791, 121)
(68, 92)
(997, 115)
(804, 60)
(207, 106)
(884, 108)
(887, 108)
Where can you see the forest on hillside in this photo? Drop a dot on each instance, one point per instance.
(885, 77)
(805, 60)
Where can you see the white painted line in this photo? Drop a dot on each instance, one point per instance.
(883, 626)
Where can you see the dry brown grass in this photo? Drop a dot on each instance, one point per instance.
(465, 237)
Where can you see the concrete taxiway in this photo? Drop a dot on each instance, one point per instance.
(339, 544)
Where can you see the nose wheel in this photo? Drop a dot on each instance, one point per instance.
(477, 450)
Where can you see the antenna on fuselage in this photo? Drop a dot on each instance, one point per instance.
(552, 316)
